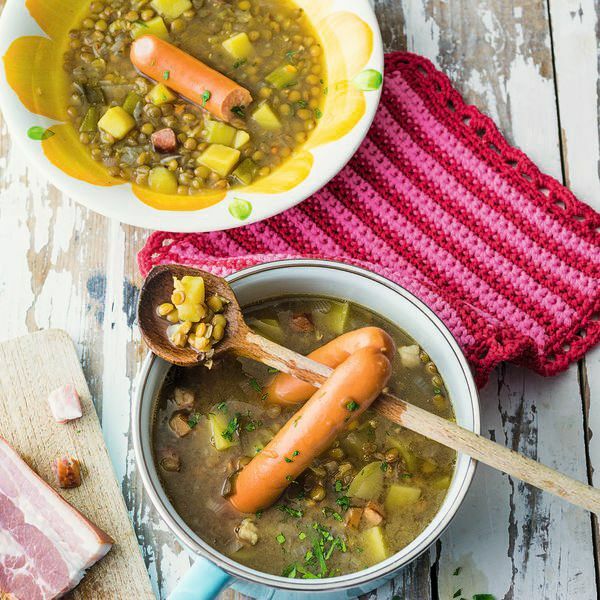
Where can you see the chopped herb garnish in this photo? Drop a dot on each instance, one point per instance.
(483, 597)
(259, 514)
(457, 593)
(308, 556)
(295, 452)
(288, 478)
(296, 421)
(238, 63)
(166, 75)
(232, 428)
(293, 512)
(436, 390)
(281, 538)
(289, 56)
(287, 460)
(141, 23)
(352, 405)
(255, 385)
(325, 91)
(337, 516)
(264, 397)
(302, 104)
(343, 502)
(384, 466)
(318, 113)
(272, 370)
(456, 571)
(194, 419)
(222, 406)
(251, 426)
(406, 475)
(302, 535)
(39, 134)
(338, 486)
(290, 571)
(205, 97)
(240, 111)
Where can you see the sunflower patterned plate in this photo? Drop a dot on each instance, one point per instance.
(36, 96)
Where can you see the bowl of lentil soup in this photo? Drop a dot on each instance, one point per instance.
(349, 506)
(259, 105)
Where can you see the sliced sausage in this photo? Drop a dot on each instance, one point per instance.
(189, 77)
(350, 390)
(286, 390)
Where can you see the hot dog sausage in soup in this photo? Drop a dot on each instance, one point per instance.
(188, 76)
(349, 391)
(286, 390)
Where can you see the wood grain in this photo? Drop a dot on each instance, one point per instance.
(30, 368)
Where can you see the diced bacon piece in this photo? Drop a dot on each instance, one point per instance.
(65, 403)
(164, 140)
(302, 323)
(179, 424)
(353, 517)
(169, 459)
(373, 514)
(184, 398)
(67, 471)
(45, 544)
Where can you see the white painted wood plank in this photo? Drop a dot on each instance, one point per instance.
(509, 540)
(574, 25)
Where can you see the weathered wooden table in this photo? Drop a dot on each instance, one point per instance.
(532, 65)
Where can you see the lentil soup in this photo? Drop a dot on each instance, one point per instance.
(267, 52)
(367, 496)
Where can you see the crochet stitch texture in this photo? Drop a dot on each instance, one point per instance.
(437, 200)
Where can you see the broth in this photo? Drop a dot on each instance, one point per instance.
(318, 527)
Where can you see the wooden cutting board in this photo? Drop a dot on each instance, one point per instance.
(30, 368)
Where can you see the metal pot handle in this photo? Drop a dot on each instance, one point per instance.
(203, 581)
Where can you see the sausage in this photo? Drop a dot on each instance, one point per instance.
(350, 390)
(188, 76)
(286, 390)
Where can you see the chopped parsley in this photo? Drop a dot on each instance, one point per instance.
(259, 514)
(295, 452)
(296, 421)
(194, 419)
(222, 406)
(325, 91)
(457, 593)
(141, 23)
(240, 111)
(272, 370)
(281, 538)
(255, 385)
(302, 535)
(318, 113)
(352, 405)
(166, 75)
(456, 571)
(293, 512)
(289, 56)
(343, 502)
(205, 97)
(338, 486)
(384, 466)
(232, 427)
(302, 104)
(287, 460)
(238, 63)
(483, 597)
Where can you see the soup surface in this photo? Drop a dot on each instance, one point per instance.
(268, 47)
(367, 497)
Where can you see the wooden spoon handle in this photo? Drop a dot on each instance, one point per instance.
(434, 427)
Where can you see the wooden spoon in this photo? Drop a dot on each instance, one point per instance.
(242, 341)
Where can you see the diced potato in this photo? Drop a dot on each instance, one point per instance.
(117, 122)
(409, 355)
(336, 320)
(161, 94)
(218, 424)
(374, 545)
(241, 139)
(220, 133)
(428, 466)
(282, 76)
(266, 118)
(239, 46)
(441, 483)
(353, 443)
(399, 496)
(191, 309)
(162, 180)
(246, 171)
(155, 26)
(220, 159)
(367, 483)
(171, 9)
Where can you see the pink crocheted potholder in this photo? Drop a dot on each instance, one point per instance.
(437, 200)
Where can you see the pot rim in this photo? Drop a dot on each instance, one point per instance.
(400, 559)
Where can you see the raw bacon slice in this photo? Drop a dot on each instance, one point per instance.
(46, 545)
(65, 404)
